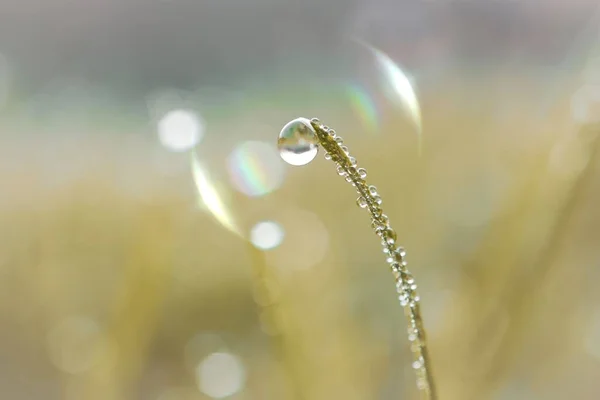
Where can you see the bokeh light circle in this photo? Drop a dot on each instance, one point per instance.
(266, 235)
(255, 168)
(180, 130)
(220, 375)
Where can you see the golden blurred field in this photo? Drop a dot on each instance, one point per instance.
(129, 271)
(117, 285)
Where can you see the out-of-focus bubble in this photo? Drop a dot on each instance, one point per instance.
(391, 90)
(266, 235)
(585, 104)
(592, 336)
(255, 168)
(297, 142)
(220, 375)
(306, 244)
(180, 130)
(399, 88)
(75, 344)
(364, 106)
(210, 196)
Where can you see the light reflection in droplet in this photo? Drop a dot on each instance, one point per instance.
(75, 344)
(180, 130)
(255, 168)
(220, 375)
(266, 235)
(210, 196)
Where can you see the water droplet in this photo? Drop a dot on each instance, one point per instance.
(362, 173)
(400, 253)
(298, 142)
(403, 299)
(327, 156)
(373, 190)
(352, 161)
(339, 140)
(341, 171)
(345, 149)
(362, 202)
(377, 226)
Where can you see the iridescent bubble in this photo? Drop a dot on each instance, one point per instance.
(266, 235)
(297, 142)
(400, 89)
(385, 87)
(180, 130)
(209, 195)
(255, 168)
(364, 106)
(220, 375)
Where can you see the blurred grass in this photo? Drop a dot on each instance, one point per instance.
(497, 218)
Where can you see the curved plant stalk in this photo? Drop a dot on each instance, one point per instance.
(406, 287)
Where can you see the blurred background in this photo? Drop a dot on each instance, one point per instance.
(153, 244)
